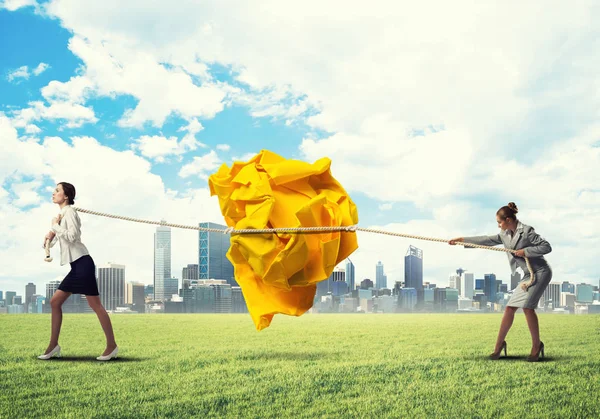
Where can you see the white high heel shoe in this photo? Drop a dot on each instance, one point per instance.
(113, 354)
(53, 352)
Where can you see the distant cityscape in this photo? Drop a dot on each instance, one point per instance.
(209, 286)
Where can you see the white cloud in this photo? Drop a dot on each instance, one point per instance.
(26, 193)
(74, 114)
(158, 147)
(223, 147)
(13, 5)
(386, 207)
(19, 73)
(201, 166)
(244, 157)
(40, 69)
(24, 73)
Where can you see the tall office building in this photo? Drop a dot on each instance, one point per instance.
(568, 287)
(327, 286)
(490, 287)
(51, 288)
(171, 288)
(10, 295)
(350, 279)
(454, 281)
(135, 295)
(584, 293)
(552, 294)
(413, 270)
(29, 292)
(380, 279)
(111, 285)
(479, 284)
(162, 260)
(466, 285)
(190, 272)
(366, 284)
(213, 262)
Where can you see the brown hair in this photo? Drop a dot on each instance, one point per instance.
(508, 211)
(69, 191)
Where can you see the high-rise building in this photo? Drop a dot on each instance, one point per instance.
(454, 281)
(466, 285)
(490, 287)
(380, 280)
(10, 295)
(238, 303)
(162, 260)
(190, 272)
(111, 285)
(365, 284)
(568, 287)
(326, 286)
(171, 288)
(584, 293)
(350, 275)
(479, 284)
(552, 294)
(407, 299)
(213, 262)
(413, 270)
(135, 296)
(51, 288)
(29, 292)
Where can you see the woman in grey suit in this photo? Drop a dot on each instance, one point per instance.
(522, 238)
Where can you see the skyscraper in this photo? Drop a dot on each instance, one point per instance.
(466, 285)
(350, 275)
(29, 292)
(111, 285)
(190, 272)
(213, 262)
(552, 294)
(490, 287)
(326, 286)
(380, 280)
(413, 270)
(162, 260)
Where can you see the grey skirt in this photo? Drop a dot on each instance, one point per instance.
(531, 297)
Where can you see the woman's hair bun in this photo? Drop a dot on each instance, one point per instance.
(513, 207)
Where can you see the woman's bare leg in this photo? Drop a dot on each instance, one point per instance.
(96, 305)
(56, 303)
(505, 325)
(534, 329)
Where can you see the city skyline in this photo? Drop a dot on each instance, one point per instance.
(75, 104)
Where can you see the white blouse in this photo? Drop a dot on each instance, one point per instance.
(68, 233)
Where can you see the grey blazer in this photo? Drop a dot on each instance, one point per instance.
(526, 238)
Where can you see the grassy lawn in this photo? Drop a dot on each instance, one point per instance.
(327, 365)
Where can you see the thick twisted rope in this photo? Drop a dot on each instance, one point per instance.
(304, 230)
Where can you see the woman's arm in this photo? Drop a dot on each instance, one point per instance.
(492, 240)
(539, 245)
(73, 231)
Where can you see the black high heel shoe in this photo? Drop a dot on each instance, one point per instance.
(536, 357)
(496, 355)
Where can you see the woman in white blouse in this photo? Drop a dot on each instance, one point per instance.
(81, 279)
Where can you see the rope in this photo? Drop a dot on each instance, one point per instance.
(304, 230)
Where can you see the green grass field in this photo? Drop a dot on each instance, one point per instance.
(328, 365)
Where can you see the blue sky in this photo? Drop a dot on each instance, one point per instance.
(431, 129)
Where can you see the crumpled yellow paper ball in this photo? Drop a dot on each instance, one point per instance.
(278, 272)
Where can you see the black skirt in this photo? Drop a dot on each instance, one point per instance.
(81, 279)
